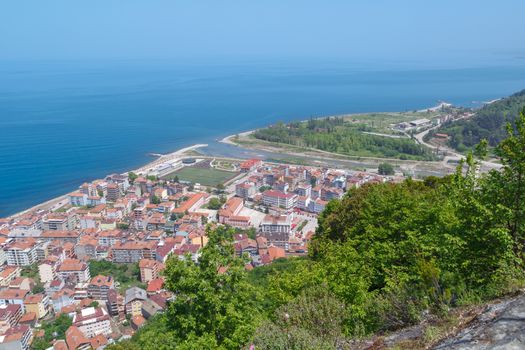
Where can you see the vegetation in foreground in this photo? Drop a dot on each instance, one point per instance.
(335, 134)
(384, 257)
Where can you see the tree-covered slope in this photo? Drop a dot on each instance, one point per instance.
(488, 123)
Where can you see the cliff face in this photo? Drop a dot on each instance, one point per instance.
(499, 326)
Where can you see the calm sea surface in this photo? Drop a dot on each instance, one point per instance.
(65, 123)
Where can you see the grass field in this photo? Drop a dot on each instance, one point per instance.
(203, 176)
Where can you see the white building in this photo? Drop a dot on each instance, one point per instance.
(93, 321)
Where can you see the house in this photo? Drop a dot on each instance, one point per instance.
(135, 296)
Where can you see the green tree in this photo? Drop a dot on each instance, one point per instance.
(214, 203)
(214, 304)
(155, 199)
(132, 177)
(385, 169)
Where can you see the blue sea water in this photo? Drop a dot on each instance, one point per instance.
(63, 123)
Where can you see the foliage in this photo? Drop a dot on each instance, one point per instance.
(127, 275)
(155, 200)
(214, 203)
(334, 134)
(132, 177)
(55, 329)
(489, 123)
(385, 169)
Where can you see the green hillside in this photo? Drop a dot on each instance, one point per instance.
(488, 123)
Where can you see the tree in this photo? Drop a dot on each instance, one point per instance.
(386, 169)
(214, 204)
(509, 183)
(213, 302)
(155, 199)
(132, 177)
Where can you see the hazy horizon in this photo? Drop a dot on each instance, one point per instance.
(406, 30)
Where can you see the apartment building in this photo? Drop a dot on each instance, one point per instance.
(279, 199)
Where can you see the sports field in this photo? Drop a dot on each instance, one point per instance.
(203, 176)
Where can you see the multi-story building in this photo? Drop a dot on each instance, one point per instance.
(108, 238)
(135, 296)
(8, 274)
(10, 314)
(245, 190)
(229, 214)
(149, 269)
(133, 251)
(276, 229)
(113, 192)
(92, 321)
(37, 303)
(75, 339)
(59, 222)
(16, 338)
(21, 253)
(100, 286)
(13, 296)
(78, 199)
(61, 236)
(74, 270)
(279, 199)
(47, 270)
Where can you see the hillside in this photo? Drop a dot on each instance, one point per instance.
(385, 258)
(488, 123)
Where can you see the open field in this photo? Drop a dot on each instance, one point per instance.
(205, 176)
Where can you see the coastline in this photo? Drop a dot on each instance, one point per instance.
(161, 158)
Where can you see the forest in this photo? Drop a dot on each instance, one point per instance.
(384, 257)
(334, 134)
(488, 123)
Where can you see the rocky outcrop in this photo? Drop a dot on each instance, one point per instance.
(499, 326)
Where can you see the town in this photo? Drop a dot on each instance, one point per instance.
(87, 272)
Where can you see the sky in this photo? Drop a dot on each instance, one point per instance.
(213, 29)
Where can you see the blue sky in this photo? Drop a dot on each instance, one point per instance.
(208, 29)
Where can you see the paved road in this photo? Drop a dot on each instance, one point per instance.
(451, 155)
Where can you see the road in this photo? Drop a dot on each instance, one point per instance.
(450, 154)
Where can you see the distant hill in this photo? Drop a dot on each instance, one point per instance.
(488, 123)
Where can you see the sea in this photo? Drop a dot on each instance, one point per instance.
(66, 122)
